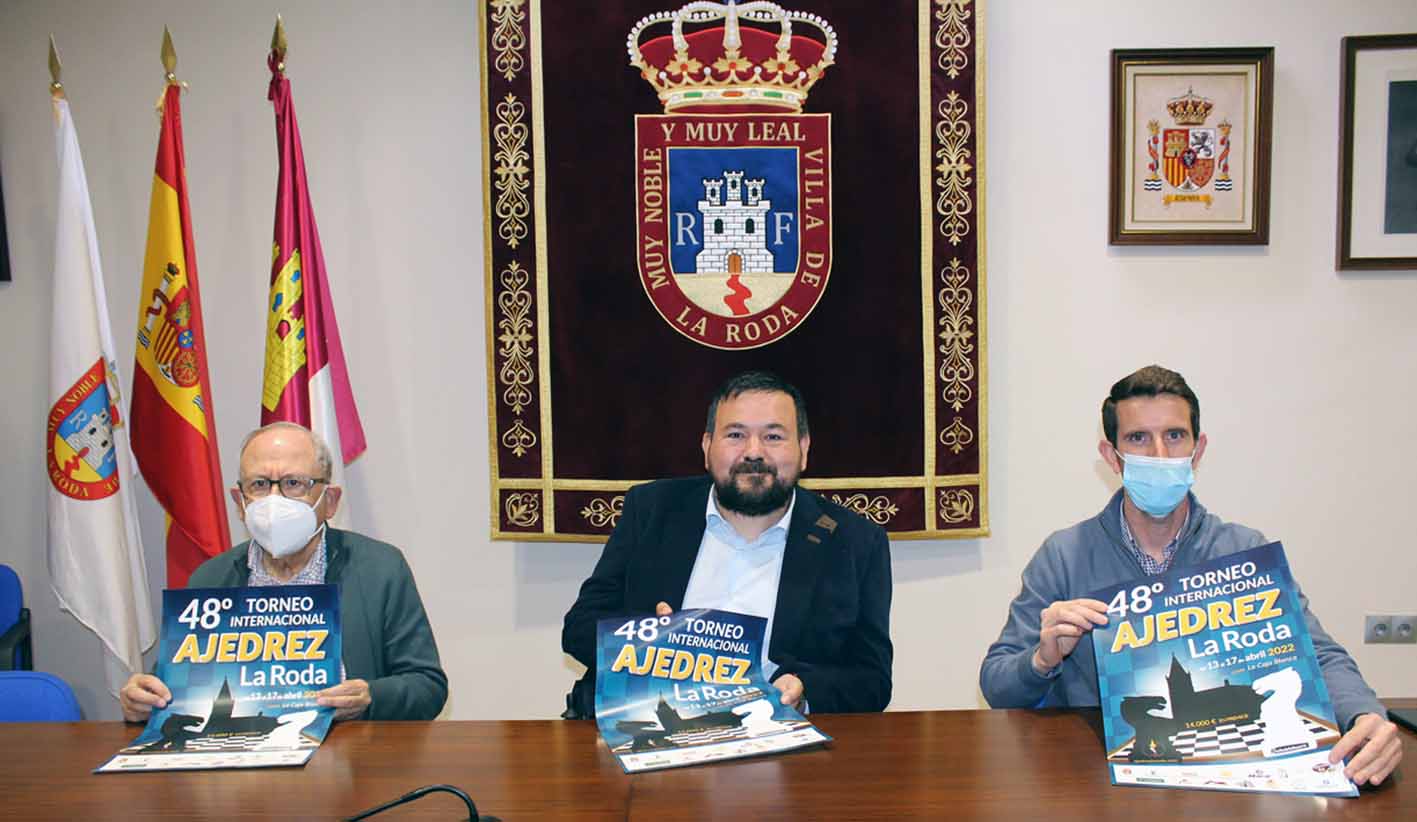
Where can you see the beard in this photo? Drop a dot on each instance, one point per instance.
(766, 494)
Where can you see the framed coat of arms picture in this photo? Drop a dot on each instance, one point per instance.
(1190, 145)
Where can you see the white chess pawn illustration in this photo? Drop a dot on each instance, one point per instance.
(757, 718)
(1284, 731)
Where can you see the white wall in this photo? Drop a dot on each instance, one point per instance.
(1306, 376)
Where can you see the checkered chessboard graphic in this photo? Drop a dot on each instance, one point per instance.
(238, 742)
(1230, 739)
(709, 736)
(689, 739)
(230, 743)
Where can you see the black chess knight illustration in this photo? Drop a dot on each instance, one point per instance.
(179, 729)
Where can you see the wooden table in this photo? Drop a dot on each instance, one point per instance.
(1043, 765)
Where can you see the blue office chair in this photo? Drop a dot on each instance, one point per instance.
(16, 650)
(34, 696)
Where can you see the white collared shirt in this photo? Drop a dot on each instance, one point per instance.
(732, 574)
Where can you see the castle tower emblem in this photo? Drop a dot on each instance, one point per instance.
(80, 454)
(733, 181)
(734, 241)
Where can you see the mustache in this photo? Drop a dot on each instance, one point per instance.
(753, 467)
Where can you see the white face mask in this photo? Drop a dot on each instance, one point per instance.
(280, 525)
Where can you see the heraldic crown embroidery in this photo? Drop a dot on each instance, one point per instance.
(746, 67)
(1190, 109)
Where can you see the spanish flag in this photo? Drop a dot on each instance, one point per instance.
(306, 380)
(173, 426)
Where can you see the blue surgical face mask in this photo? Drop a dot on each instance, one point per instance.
(1156, 484)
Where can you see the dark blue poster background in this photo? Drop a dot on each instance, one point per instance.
(688, 688)
(1205, 668)
(243, 666)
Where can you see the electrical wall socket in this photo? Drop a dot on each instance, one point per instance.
(1404, 628)
(1390, 628)
(1377, 628)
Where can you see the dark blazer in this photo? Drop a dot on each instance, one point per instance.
(384, 631)
(831, 626)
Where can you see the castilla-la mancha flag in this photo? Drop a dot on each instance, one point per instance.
(173, 425)
(306, 380)
(95, 550)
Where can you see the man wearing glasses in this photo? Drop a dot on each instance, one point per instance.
(391, 666)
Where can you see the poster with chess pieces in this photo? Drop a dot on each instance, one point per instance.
(689, 688)
(1208, 679)
(243, 666)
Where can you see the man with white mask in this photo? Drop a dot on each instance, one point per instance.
(1043, 656)
(391, 668)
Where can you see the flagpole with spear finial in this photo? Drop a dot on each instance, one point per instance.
(169, 66)
(56, 68)
(169, 57)
(278, 44)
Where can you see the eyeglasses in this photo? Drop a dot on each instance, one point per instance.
(293, 485)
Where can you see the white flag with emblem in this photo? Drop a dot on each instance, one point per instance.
(95, 550)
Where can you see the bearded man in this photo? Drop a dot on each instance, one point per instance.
(746, 539)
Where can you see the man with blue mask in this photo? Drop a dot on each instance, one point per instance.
(390, 668)
(1151, 421)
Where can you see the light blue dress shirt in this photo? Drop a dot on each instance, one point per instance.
(732, 574)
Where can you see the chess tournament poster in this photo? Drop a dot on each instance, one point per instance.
(688, 689)
(1208, 679)
(243, 665)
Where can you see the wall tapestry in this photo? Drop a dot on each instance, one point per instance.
(678, 194)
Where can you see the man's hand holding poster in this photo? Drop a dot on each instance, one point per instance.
(688, 688)
(243, 666)
(1208, 679)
